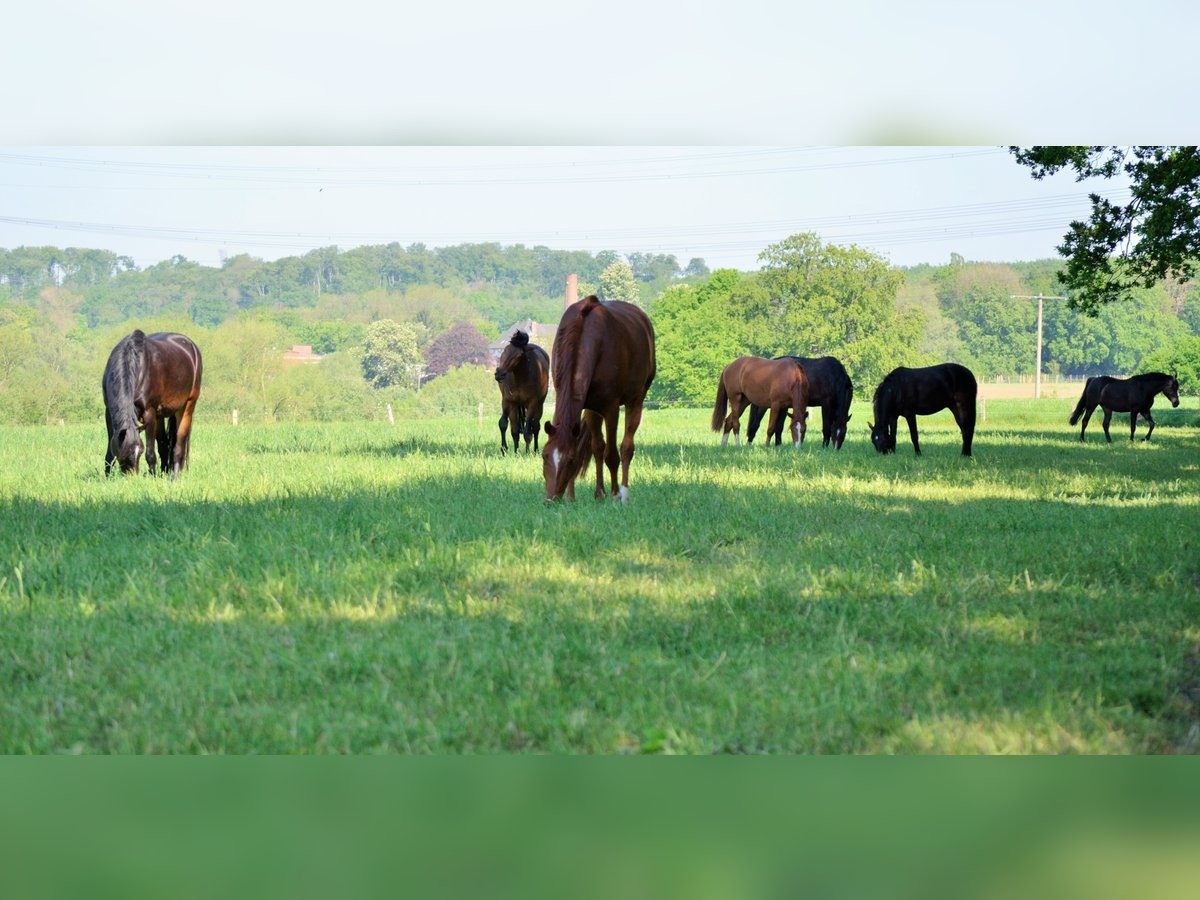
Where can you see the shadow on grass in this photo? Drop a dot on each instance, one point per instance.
(462, 614)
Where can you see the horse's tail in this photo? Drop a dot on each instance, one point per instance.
(1082, 402)
(722, 404)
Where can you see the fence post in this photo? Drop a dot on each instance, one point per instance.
(391, 418)
(235, 417)
(983, 409)
(480, 413)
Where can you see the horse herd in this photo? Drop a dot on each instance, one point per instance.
(603, 359)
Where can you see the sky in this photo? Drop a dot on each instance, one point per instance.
(708, 131)
(723, 204)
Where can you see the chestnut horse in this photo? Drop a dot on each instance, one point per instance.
(523, 374)
(151, 382)
(1132, 395)
(776, 384)
(603, 360)
(828, 387)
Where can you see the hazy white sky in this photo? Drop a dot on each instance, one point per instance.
(722, 204)
(701, 119)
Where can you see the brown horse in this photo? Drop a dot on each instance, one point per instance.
(603, 360)
(151, 382)
(523, 374)
(776, 384)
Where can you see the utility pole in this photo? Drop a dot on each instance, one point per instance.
(1037, 376)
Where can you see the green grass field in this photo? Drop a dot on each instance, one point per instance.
(344, 588)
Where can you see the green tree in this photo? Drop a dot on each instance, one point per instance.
(1155, 235)
(617, 282)
(390, 356)
(1181, 359)
(830, 299)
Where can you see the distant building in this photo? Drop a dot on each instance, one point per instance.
(299, 354)
(540, 333)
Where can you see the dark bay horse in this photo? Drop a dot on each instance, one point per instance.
(922, 392)
(828, 387)
(1132, 395)
(603, 360)
(776, 384)
(151, 382)
(523, 374)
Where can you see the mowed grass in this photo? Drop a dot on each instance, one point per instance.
(347, 588)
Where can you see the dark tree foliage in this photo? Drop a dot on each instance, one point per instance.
(1121, 247)
(461, 344)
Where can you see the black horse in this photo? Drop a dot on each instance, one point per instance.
(922, 392)
(828, 387)
(1132, 395)
(151, 382)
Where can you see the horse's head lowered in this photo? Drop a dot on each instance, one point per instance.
(512, 355)
(563, 457)
(126, 445)
(883, 437)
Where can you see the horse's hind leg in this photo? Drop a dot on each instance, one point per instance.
(1107, 419)
(183, 439)
(1087, 415)
(633, 418)
(964, 417)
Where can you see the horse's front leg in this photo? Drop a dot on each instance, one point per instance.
(503, 423)
(1107, 419)
(773, 426)
(595, 427)
(167, 426)
(150, 421)
(911, 419)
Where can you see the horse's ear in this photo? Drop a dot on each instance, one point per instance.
(849, 417)
(550, 429)
(870, 425)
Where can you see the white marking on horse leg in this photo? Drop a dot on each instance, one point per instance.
(623, 494)
(725, 439)
(737, 439)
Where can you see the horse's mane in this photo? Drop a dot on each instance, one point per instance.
(1152, 376)
(124, 375)
(567, 342)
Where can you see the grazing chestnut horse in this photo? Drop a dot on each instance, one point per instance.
(828, 387)
(151, 382)
(523, 374)
(922, 392)
(603, 360)
(777, 384)
(1132, 395)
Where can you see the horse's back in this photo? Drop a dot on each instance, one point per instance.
(621, 338)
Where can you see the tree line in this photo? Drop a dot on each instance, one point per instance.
(410, 326)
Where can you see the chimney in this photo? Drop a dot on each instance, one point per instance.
(572, 288)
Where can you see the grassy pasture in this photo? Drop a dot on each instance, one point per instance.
(347, 588)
